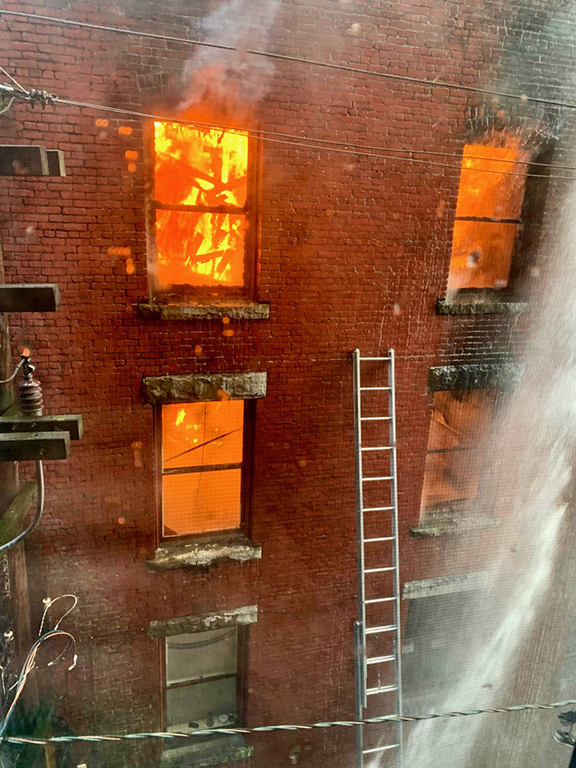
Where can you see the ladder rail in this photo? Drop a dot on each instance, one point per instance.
(396, 549)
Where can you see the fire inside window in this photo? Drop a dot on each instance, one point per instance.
(202, 681)
(488, 212)
(202, 466)
(202, 210)
(459, 428)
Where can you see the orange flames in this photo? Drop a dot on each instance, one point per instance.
(491, 187)
(205, 170)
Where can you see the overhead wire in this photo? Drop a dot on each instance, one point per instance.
(271, 728)
(38, 514)
(294, 59)
(269, 136)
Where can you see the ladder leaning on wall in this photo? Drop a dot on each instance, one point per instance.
(378, 554)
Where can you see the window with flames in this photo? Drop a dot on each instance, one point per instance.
(488, 216)
(459, 430)
(204, 472)
(203, 210)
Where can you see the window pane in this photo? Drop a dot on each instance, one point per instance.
(481, 255)
(201, 706)
(199, 166)
(198, 655)
(200, 249)
(490, 188)
(201, 501)
(458, 430)
(200, 434)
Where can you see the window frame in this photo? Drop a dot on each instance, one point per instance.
(185, 292)
(528, 225)
(462, 504)
(246, 468)
(241, 677)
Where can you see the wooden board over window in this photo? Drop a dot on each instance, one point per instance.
(488, 216)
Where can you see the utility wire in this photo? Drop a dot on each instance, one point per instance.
(270, 728)
(293, 59)
(38, 514)
(269, 137)
(16, 83)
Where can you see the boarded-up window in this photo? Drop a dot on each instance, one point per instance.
(490, 198)
(202, 466)
(459, 428)
(202, 680)
(202, 208)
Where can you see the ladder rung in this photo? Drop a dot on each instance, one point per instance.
(380, 538)
(375, 389)
(377, 509)
(380, 600)
(379, 570)
(379, 749)
(377, 630)
(378, 448)
(374, 358)
(382, 689)
(375, 418)
(380, 659)
(371, 479)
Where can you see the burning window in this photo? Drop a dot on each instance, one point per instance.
(202, 680)
(202, 466)
(488, 211)
(202, 207)
(458, 433)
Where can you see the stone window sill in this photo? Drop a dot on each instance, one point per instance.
(453, 524)
(217, 752)
(235, 310)
(202, 553)
(481, 305)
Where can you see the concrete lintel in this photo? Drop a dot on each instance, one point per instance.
(445, 585)
(203, 387)
(201, 554)
(481, 306)
(246, 310)
(474, 376)
(203, 622)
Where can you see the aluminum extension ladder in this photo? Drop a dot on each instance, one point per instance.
(383, 516)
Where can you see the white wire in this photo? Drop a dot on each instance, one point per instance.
(48, 603)
(15, 371)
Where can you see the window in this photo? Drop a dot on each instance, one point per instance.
(204, 470)
(202, 680)
(203, 210)
(459, 428)
(488, 217)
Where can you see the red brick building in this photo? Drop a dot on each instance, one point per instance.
(332, 228)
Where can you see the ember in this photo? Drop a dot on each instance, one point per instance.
(201, 183)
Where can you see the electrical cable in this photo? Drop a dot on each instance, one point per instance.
(15, 371)
(326, 144)
(268, 136)
(48, 603)
(293, 59)
(271, 728)
(37, 516)
(16, 83)
(7, 107)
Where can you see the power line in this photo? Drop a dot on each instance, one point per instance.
(295, 59)
(270, 728)
(271, 136)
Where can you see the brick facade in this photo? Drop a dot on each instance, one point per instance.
(354, 252)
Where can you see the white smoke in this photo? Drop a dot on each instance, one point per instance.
(233, 80)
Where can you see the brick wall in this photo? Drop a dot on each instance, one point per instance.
(354, 253)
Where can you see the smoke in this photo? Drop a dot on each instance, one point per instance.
(232, 82)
